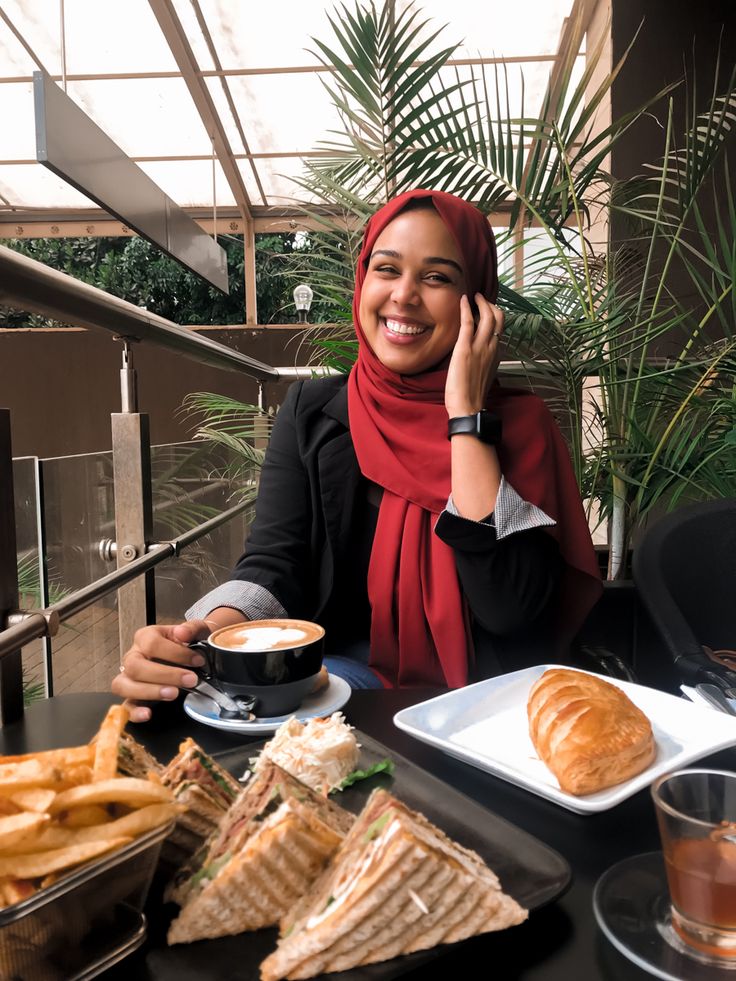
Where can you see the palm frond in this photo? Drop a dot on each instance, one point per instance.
(240, 429)
(623, 331)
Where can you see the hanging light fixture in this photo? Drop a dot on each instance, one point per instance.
(303, 295)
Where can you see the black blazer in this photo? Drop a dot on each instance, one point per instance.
(309, 491)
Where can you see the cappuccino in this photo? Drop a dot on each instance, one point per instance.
(276, 661)
(260, 636)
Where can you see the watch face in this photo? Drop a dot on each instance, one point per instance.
(489, 427)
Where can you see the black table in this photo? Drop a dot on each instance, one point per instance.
(559, 943)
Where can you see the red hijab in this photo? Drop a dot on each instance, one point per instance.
(420, 633)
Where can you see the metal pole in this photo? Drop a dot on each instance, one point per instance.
(131, 456)
(43, 567)
(32, 286)
(23, 626)
(260, 424)
(62, 32)
(249, 270)
(11, 667)
(128, 379)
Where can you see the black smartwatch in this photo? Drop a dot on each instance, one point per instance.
(484, 425)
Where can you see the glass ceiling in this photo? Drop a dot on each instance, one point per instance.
(256, 64)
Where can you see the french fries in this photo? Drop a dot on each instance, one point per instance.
(27, 775)
(84, 817)
(34, 799)
(20, 827)
(64, 807)
(106, 747)
(35, 865)
(74, 756)
(123, 790)
(129, 826)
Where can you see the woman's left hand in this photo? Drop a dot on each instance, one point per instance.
(475, 358)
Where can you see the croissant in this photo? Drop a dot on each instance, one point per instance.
(587, 731)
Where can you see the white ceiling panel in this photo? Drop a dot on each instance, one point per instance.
(31, 186)
(189, 182)
(146, 117)
(282, 113)
(185, 11)
(102, 36)
(277, 176)
(266, 35)
(38, 23)
(497, 28)
(279, 113)
(18, 141)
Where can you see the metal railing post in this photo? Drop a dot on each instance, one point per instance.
(131, 455)
(43, 568)
(11, 666)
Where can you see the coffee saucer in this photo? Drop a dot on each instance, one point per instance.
(324, 702)
(631, 904)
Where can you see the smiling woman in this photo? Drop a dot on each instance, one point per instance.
(426, 517)
(410, 301)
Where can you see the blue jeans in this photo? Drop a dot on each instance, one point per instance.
(357, 675)
(354, 668)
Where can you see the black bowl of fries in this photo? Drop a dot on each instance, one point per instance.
(78, 848)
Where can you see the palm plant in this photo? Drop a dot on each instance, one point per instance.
(589, 317)
(403, 127)
(241, 430)
(184, 479)
(645, 378)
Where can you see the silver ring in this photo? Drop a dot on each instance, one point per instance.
(496, 334)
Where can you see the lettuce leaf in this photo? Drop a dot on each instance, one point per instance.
(384, 766)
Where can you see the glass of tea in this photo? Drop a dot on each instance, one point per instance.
(696, 812)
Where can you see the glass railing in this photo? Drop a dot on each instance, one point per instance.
(191, 483)
(68, 641)
(31, 575)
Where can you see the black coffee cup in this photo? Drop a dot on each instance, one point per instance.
(276, 661)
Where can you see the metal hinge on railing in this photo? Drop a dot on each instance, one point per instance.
(51, 618)
(108, 550)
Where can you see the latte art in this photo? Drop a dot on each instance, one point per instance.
(261, 636)
(264, 638)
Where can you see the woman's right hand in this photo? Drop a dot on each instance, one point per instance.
(143, 679)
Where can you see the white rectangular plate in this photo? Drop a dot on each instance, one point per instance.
(486, 725)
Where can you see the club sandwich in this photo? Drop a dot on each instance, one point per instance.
(271, 845)
(134, 760)
(205, 789)
(396, 885)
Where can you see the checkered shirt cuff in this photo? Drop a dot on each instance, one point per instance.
(253, 601)
(511, 513)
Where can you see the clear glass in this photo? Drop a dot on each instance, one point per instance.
(191, 482)
(86, 650)
(31, 584)
(696, 812)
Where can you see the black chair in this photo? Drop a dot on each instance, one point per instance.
(685, 574)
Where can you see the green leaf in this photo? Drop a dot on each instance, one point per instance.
(385, 766)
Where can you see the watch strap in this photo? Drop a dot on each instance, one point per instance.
(484, 425)
(462, 424)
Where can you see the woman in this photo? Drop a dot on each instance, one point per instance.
(428, 518)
